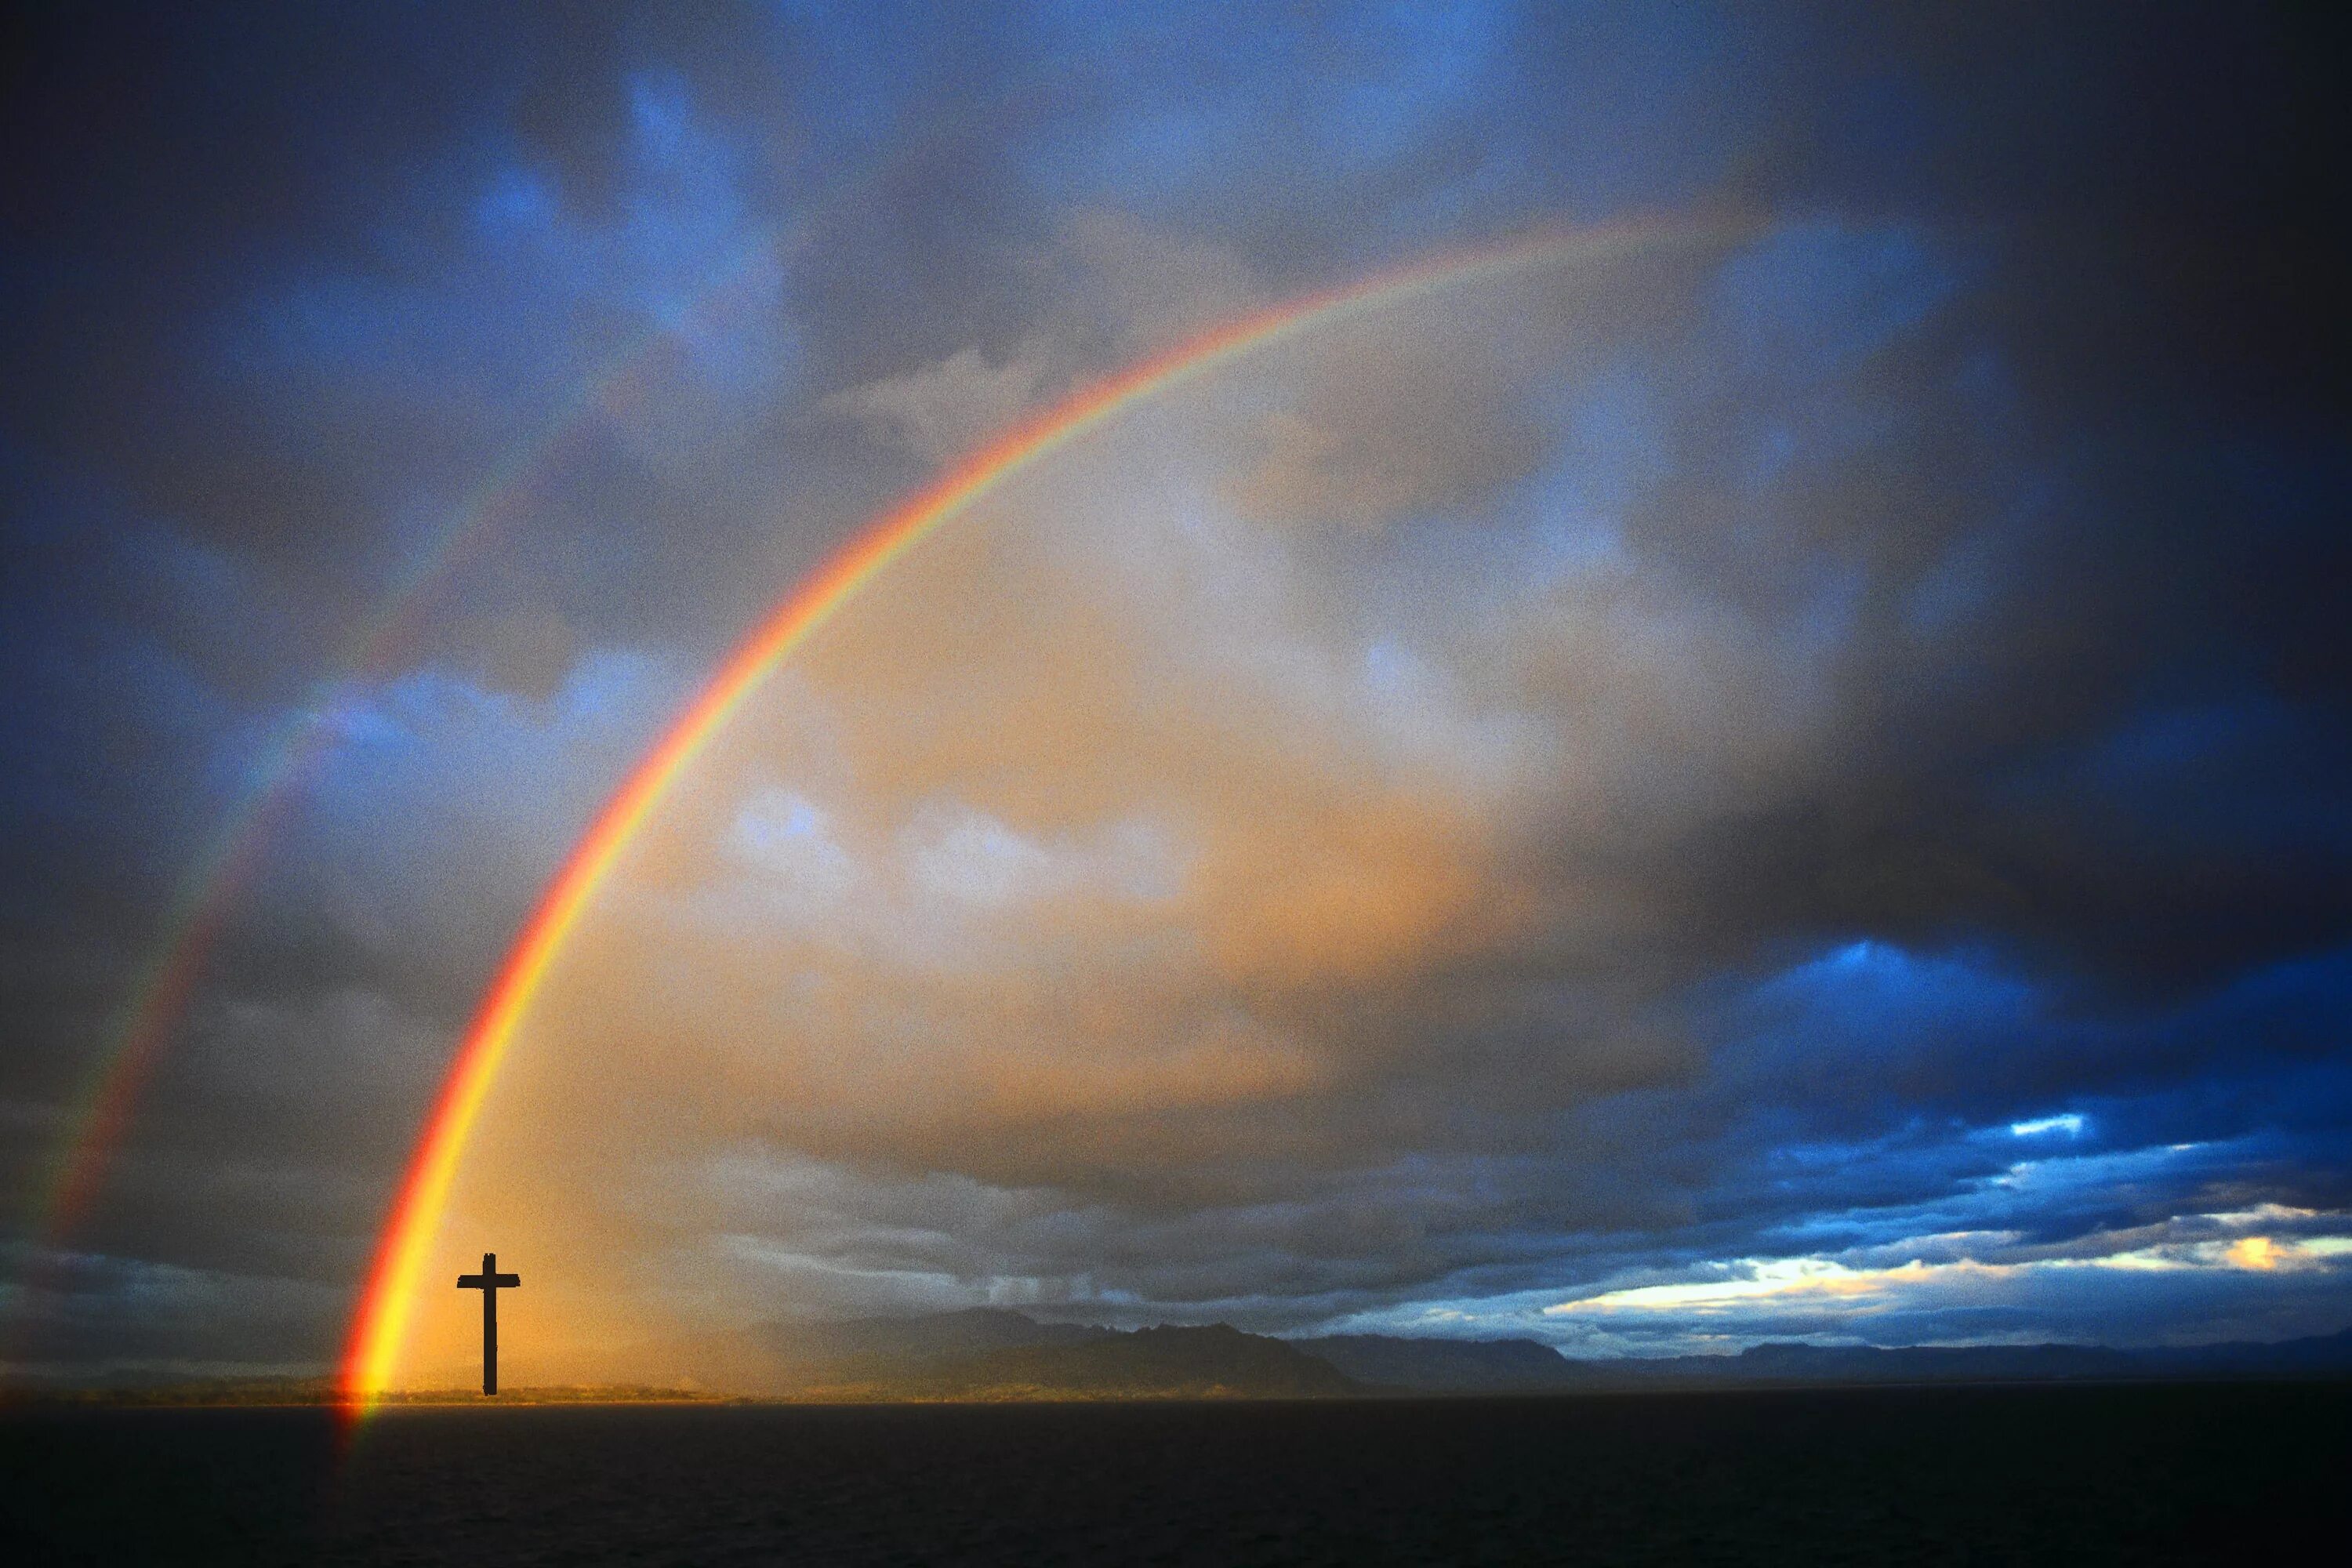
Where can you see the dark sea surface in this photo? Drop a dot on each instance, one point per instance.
(2119, 1474)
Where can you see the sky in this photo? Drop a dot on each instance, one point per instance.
(1783, 776)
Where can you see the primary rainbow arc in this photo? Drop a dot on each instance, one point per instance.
(386, 1301)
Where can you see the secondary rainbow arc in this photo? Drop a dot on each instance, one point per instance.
(206, 897)
(157, 1002)
(386, 1301)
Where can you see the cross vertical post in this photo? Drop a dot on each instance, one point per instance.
(489, 1282)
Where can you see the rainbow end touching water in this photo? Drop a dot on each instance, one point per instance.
(386, 1301)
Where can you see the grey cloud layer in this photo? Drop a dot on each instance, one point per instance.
(1955, 569)
(1273, 945)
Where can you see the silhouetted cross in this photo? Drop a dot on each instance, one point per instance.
(489, 1282)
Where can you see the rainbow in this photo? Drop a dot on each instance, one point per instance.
(156, 1004)
(207, 892)
(387, 1299)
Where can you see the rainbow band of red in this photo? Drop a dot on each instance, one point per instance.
(380, 1326)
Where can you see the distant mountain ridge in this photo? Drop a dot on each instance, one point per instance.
(1215, 1362)
(1446, 1366)
(988, 1353)
(1497, 1367)
(993, 1353)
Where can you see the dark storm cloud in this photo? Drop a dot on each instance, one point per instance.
(2053, 371)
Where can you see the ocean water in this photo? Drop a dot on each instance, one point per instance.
(2073, 1474)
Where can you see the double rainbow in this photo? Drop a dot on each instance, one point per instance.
(206, 897)
(387, 1301)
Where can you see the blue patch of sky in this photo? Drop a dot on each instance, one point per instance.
(1865, 1000)
(434, 779)
(1951, 596)
(1869, 1012)
(1630, 107)
(1809, 300)
(1220, 127)
(1606, 451)
(1439, 56)
(540, 299)
(110, 719)
(432, 740)
(2066, 1123)
(1490, 118)
(852, 78)
(2247, 772)
(1882, 125)
(1149, 163)
(1871, 1093)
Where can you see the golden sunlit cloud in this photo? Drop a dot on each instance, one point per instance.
(1092, 851)
(1754, 1283)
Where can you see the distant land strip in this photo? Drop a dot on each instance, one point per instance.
(989, 1355)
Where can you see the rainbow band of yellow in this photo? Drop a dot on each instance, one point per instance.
(387, 1303)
